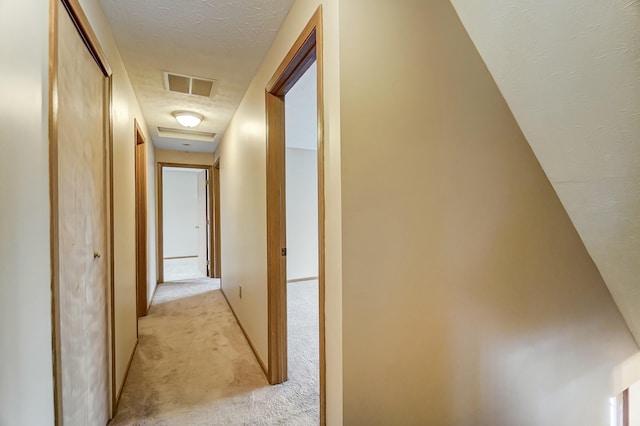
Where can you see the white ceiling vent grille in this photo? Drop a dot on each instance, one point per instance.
(188, 85)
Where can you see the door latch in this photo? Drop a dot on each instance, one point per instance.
(283, 251)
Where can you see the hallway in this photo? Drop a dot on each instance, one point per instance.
(193, 366)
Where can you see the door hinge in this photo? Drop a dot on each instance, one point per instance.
(283, 251)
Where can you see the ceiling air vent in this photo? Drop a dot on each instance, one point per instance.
(188, 85)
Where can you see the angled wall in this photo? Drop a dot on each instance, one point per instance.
(570, 72)
(468, 296)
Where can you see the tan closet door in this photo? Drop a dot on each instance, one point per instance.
(82, 231)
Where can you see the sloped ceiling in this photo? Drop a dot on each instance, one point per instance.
(570, 71)
(223, 40)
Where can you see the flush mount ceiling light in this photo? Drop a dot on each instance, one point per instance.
(188, 118)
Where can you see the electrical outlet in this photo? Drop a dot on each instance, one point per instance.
(240, 292)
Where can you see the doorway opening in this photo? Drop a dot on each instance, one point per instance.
(304, 62)
(185, 231)
(301, 182)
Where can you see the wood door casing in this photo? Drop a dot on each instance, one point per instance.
(202, 226)
(307, 48)
(82, 229)
(161, 216)
(215, 228)
(141, 222)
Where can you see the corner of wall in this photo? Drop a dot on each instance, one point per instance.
(26, 364)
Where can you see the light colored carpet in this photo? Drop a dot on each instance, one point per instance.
(181, 269)
(193, 365)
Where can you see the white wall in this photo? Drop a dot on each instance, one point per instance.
(468, 296)
(627, 375)
(634, 404)
(243, 198)
(302, 212)
(301, 111)
(26, 369)
(301, 159)
(180, 213)
(125, 110)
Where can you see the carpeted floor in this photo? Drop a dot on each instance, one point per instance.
(193, 365)
(182, 269)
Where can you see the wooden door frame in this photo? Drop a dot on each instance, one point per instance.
(307, 48)
(140, 166)
(160, 230)
(81, 22)
(625, 407)
(217, 240)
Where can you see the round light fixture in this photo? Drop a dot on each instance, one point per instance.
(188, 118)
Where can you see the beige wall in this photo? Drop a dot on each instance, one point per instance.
(243, 198)
(125, 110)
(184, 157)
(26, 369)
(569, 72)
(468, 296)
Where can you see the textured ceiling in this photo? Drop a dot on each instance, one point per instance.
(223, 40)
(570, 71)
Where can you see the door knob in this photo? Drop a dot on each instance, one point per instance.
(96, 255)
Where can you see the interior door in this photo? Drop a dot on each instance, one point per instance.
(82, 223)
